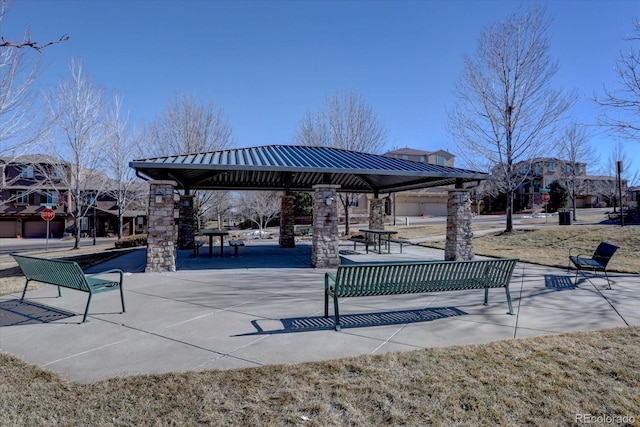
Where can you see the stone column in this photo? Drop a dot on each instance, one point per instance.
(376, 214)
(162, 230)
(287, 222)
(186, 222)
(324, 250)
(459, 244)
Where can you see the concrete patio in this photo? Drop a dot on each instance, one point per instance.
(266, 307)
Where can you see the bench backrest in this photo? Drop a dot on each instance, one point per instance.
(384, 279)
(604, 252)
(53, 271)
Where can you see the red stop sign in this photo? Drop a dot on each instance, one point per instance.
(48, 214)
(546, 197)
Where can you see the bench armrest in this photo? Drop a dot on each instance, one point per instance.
(571, 250)
(115, 270)
(328, 276)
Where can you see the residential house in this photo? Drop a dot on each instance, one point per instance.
(424, 202)
(539, 173)
(31, 183)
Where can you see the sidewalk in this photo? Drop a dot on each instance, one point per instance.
(266, 307)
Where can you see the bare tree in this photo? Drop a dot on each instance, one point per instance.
(346, 122)
(574, 150)
(77, 106)
(188, 125)
(260, 207)
(26, 41)
(607, 185)
(506, 110)
(621, 105)
(120, 147)
(20, 125)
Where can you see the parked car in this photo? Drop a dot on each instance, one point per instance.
(257, 234)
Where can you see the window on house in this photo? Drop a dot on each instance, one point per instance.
(56, 172)
(552, 167)
(567, 168)
(27, 171)
(523, 170)
(52, 197)
(440, 160)
(22, 197)
(549, 182)
(84, 224)
(405, 157)
(423, 159)
(538, 168)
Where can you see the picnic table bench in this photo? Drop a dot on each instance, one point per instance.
(399, 242)
(364, 241)
(197, 244)
(361, 280)
(235, 244)
(67, 274)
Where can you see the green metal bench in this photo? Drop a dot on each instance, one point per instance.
(67, 274)
(596, 262)
(361, 280)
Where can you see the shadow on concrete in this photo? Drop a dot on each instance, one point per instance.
(559, 283)
(319, 323)
(15, 313)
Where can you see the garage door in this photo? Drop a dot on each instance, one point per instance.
(34, 228)
(8, 228)
(38, 228)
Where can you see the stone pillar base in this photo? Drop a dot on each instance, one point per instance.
(376, 214)
(459, 244)
(186, 222)
(324, 251)
(287, 222)
(162, 235)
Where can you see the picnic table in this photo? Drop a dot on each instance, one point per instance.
(381, 233)
(212, 234)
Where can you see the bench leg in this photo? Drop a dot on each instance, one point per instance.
(336, 313)
(86, 310)
(25, 289)
(509, 299)
(122, 298)
(235, 251)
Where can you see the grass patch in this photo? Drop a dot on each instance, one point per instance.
(535, 381)
(550, 245)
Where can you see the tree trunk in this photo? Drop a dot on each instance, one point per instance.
(509, 209)
(345, 204)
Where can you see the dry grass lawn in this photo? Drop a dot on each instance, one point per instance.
(550, 245)
(547, 381)
(543, 381)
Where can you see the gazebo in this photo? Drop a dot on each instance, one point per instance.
(288, 168)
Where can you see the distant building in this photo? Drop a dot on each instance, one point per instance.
(591, 190)
(423, 202)
(31, 183)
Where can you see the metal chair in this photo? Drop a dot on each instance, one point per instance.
(596, 262)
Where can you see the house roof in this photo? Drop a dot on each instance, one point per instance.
(415, 152)
(299, 168)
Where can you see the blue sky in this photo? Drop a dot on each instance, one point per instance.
(267, 62)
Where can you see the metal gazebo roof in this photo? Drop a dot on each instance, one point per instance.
(299, 168)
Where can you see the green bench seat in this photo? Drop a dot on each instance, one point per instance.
(361, 280)
(67, 274)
